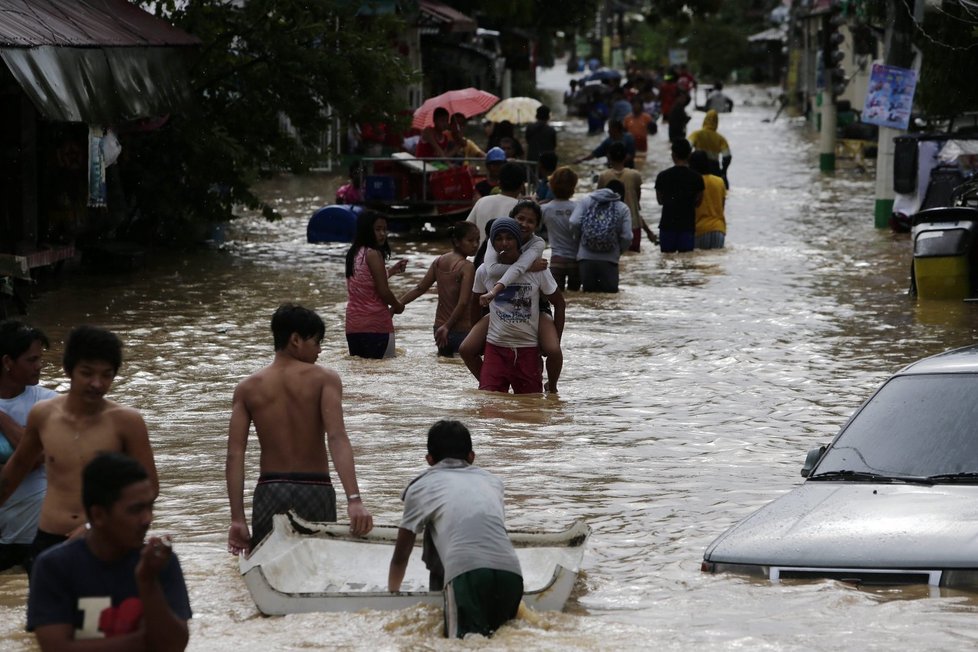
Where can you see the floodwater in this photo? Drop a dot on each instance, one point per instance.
(687, 401)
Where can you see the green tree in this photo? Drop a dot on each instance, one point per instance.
(947, 41)
(309, 61)
(714, 33)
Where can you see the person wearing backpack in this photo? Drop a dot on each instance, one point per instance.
(631, 180)
(603, 225)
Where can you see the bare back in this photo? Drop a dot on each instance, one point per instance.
(288, 402)
(70, 441)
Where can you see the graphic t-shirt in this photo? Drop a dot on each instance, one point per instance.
(100, 599)
(514, 314)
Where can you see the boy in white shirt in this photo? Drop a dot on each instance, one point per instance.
(512, 353)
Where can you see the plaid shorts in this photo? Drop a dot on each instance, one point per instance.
(311, 495)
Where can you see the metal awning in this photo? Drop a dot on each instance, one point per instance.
(435, 17)
(84, 23)
(94, 61)
(100, 86)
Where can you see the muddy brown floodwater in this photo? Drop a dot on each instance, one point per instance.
(688, 400)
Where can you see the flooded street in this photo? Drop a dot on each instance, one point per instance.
(688, 400)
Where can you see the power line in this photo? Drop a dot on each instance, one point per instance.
(923, 32)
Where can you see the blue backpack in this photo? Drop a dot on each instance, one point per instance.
(601, 227)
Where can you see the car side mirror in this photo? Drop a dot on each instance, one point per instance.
(812, 459)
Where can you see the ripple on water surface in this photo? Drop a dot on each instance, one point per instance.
(687, 401)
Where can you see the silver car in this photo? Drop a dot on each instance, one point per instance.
(892, 500)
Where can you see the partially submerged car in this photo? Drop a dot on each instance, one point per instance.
(893, 499)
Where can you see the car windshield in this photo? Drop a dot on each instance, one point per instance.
(915, 427)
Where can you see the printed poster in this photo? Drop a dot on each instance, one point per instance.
(889, 98)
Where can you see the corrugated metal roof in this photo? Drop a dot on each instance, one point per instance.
(84, 23)
(441, 16)
(100, 86)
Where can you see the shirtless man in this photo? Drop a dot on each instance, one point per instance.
(292, 402)
(71, 429)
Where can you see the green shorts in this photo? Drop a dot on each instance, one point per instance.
(480, 601)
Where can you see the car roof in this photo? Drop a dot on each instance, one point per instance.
(962, 360)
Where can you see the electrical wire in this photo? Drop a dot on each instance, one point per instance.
(923, 32)
(956, 18)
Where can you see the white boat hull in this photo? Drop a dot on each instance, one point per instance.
(305, 567)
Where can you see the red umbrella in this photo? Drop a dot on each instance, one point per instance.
(467, 101)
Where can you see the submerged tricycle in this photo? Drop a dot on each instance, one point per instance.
(945, 260)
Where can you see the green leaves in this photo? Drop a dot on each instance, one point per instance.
(269, 79)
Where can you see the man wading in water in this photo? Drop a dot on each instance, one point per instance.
(70, 430)
(292, 402)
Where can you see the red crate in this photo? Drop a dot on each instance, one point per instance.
(455, 183)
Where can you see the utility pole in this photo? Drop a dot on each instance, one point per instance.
(898, 51)
(833, 80)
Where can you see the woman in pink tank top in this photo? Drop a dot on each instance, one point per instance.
(370, 302)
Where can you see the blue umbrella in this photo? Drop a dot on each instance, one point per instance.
(605, 74)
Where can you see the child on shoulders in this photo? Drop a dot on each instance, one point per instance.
(528, 215)
(514, 324)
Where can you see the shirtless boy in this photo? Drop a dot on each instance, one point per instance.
(292, 402)
(70, 430)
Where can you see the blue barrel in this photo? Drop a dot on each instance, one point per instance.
(333, 223)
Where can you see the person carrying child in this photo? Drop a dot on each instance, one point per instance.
(461, 510)
(512, 350)
(453, 273)
(528, 216)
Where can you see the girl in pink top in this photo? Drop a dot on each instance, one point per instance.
(454, 273)
(370, 302)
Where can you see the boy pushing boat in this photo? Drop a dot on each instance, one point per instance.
(460, 508)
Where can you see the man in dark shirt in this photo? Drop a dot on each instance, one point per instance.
(112, 582)
(678, 117)
(679, 190)
(540, 136)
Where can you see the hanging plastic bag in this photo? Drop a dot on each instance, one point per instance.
(111, 148)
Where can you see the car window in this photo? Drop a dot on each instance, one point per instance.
(916, 426)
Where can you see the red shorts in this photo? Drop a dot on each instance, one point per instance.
(503, 366)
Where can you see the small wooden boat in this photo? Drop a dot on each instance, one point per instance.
(304, 567)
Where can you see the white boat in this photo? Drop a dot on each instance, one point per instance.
(304, 567)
